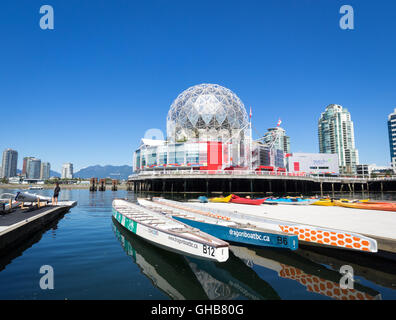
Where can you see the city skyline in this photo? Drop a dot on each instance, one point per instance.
(113, 80)
(284, 143)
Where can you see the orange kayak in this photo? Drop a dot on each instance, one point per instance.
(382, 206)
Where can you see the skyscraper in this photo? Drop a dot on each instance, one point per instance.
(25, 165)
(336, 135)
(282, 142)
(392, 138)
(9, 163)
(67, 171)
(33, 168)
(45, 171)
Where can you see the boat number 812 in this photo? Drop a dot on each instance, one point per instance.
(208, 250)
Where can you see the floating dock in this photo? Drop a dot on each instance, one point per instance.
(20, 224)
(379, 225)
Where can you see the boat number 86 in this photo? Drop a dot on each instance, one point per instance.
(282, 240)
(208, 250)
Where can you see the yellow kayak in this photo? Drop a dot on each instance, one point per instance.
(324, 202)
(329, 202)
(219, 199)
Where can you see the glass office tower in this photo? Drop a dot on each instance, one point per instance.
(392, 138)
(336, 135)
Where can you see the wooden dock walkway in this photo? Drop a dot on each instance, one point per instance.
(20, 224)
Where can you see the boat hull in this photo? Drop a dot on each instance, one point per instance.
(221, 200)
(300, 202)
(307, 234)
(367, 205)
(171, 241)
(255, 202)
(326, 203)
(30, 197)
(5, 205)
(250, 237)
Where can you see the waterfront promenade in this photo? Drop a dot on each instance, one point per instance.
(254, 181)
(52, 186)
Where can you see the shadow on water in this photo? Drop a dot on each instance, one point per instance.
(232, 279)
(9, 254)
(167, 271)
(376, 269)
(182, 277)
(315, 277)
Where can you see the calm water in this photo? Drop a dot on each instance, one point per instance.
(94, 258)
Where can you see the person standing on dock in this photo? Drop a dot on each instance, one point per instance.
(56, 194)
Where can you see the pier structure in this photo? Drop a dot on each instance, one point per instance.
(102, 185)
(245, 181)
(19, 225)
(93, 184)
(114, 185)
(129, 186)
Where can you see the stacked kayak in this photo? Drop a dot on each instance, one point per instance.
(256, 202)
(324, 202)
(382, 206)
(332, 202)
(295, 201)
(221, 199)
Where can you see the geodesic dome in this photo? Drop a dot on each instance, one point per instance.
(206, 112)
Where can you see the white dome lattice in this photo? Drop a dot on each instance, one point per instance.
(206, 110)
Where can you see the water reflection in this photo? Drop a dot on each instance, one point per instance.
(231, 280)
(314, 277)
(182, 277)
(13, 252)
(168, 271)
(377, 269)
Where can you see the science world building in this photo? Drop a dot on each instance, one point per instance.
(207, 129)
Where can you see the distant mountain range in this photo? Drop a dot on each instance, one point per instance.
(102, 172)
(54, 174)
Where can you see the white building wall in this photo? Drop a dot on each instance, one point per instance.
(314, 163)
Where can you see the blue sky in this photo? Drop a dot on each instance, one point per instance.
(87, 91)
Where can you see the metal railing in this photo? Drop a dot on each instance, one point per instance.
(252, 173)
